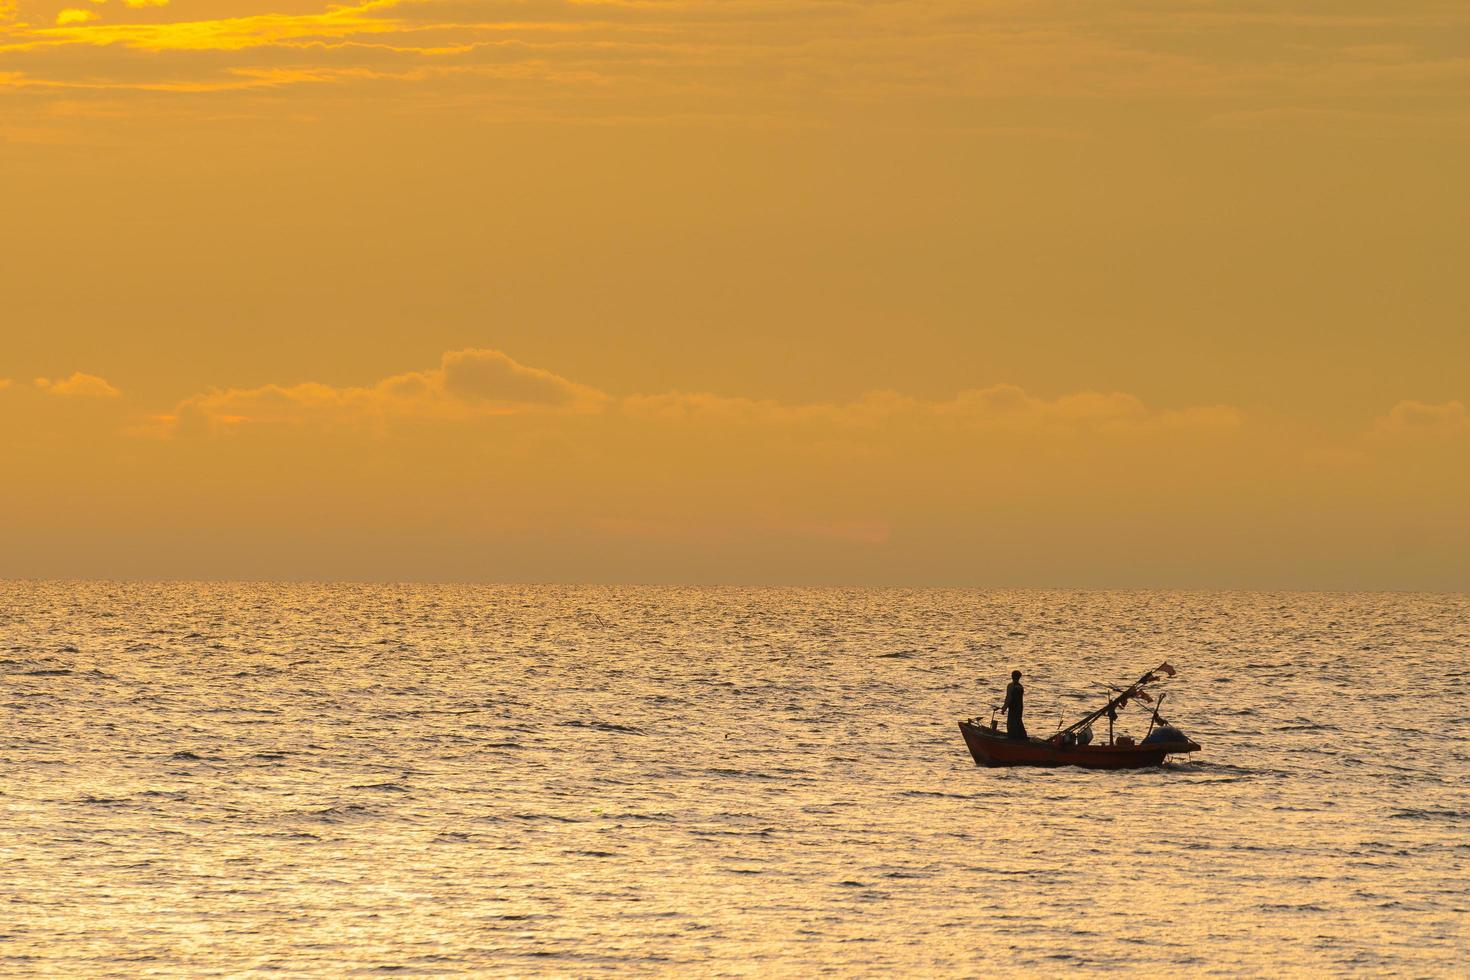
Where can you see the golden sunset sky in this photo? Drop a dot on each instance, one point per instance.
(971, 292)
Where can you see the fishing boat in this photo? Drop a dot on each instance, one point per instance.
(1072, 746)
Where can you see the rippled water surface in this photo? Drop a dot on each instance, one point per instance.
(206, 779)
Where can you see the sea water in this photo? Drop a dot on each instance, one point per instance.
(201, 779)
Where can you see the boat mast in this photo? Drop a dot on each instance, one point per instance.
(1155, 719)
(1120, 700)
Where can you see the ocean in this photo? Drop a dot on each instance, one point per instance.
(215, 779)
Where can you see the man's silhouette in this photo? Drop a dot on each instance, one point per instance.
(1014, 705)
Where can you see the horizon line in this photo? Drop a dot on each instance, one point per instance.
(725, 586)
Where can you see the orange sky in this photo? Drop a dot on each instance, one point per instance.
(1025, 292)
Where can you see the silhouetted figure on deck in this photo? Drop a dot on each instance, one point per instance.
(1014, 705)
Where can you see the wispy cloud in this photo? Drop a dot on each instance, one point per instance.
(681, 58)
(222, 34)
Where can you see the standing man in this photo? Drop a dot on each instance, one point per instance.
(1013, 707)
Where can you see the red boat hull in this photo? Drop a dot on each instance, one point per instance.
(993, 748)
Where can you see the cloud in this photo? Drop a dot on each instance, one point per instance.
(753, 58)
(478, 383)
(75, 15)
(1419, 419)
(76, 26)
(491, 376)
(79, 384)
(479, 444)
(467, 383)
(1012, 407)
(1000, 407)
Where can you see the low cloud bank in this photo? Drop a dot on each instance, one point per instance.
(466, 384)
(480, 382)
(517, 471)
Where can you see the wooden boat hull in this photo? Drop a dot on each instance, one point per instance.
(992, 748)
